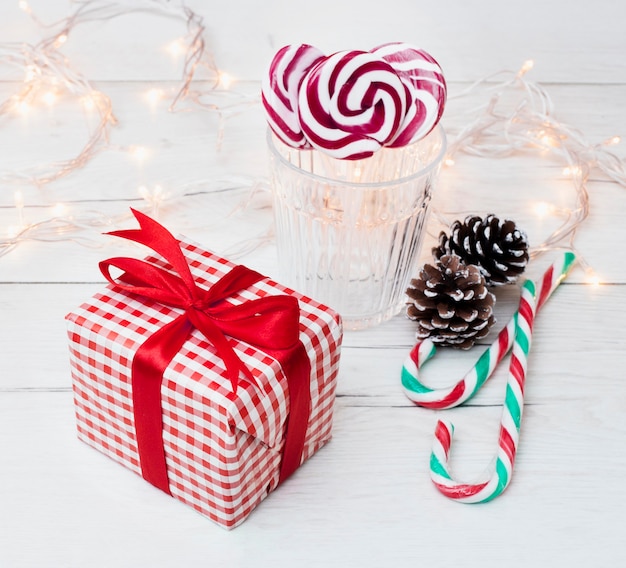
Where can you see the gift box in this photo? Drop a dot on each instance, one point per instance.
(211, 381)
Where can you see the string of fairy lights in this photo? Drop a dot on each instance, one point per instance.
(49, 75)
(526, 123)
(45, 76)
(516, 116)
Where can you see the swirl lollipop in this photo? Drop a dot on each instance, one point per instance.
(422, 75)
(351, 104)
(279, 91)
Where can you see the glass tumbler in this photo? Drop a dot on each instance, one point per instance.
(349, 232)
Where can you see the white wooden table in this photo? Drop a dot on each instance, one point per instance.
(366, 499)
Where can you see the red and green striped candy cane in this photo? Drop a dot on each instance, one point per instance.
(474, 379)
(509, 424)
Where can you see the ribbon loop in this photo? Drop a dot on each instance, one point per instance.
(159, 239)
(145, 279)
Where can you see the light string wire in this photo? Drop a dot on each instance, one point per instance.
(86, 226)
(518, 117)
(47, 73)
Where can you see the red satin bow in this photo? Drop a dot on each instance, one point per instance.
(270, 323)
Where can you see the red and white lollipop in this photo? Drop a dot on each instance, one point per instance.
(422, 75)
(280, 91)
(351, 104)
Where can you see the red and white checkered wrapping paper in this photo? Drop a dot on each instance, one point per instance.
(223, 451)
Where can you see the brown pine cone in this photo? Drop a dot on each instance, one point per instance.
(451, 303)
(497, 247)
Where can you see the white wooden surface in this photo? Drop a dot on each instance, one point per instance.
(365, 499)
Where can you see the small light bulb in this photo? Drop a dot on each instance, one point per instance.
(449, 162)
(22, 107)
(543, 209)
(30, 72)
(176, 48)
(13, 231)
(526, 67)
(593, 279)
(88, 103)
(61, 39)
(571, 171)
(139, 153)
(49, 98)
(59, 210)
(613, 140)
(224, 80)
(153, 96)
(24, 5)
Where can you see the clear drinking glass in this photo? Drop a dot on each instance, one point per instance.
(349, 232)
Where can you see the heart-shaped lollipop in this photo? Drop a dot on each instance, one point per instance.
(422, 75)
(279, 91)
(351, 104)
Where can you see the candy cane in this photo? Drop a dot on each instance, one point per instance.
(474, 379)
(509, 425)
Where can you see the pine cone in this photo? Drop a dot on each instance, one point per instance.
(497, 247)
(451, 303)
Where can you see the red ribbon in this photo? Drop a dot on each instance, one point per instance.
(270, 323)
